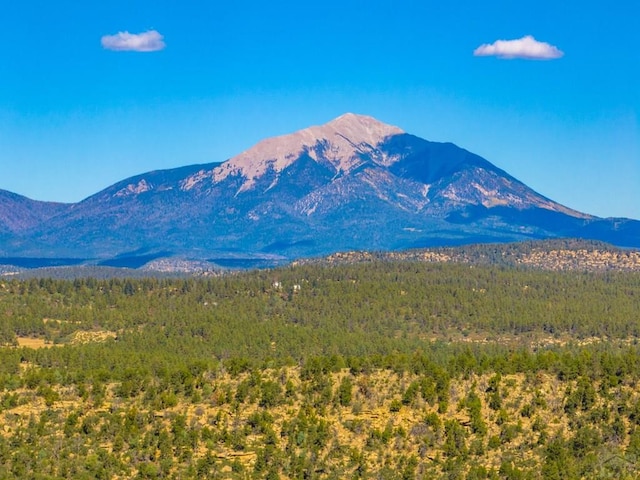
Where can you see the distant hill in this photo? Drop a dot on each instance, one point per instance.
(556, 255)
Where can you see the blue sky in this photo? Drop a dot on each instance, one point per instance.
(80, 110)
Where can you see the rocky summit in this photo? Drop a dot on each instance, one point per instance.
(354, 183)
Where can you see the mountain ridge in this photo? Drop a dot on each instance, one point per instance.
(20, 212)
(352, 183)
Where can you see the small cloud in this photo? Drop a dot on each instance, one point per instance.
(149, 41)
(526, 47)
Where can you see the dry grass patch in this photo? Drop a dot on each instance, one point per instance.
(34, 343)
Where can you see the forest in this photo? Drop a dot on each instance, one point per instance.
(382, 369)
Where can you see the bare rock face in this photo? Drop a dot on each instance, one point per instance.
(354, 183)
(339, 145)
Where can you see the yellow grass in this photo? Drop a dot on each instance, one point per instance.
(33, 342)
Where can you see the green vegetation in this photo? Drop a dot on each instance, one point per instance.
(370, 370)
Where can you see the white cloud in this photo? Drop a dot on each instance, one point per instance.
(526, 47)
(149, 41)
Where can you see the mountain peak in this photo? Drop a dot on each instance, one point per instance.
(339, 142)
(361, 127)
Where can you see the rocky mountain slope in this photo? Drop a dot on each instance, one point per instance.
(352, 184)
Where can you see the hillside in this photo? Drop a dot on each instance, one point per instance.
(20, 213)
(557, 255)
(368, 370)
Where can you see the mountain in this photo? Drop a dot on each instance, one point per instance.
(20, 213)
(354, 183)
